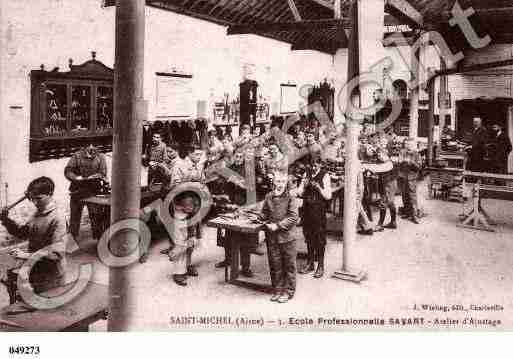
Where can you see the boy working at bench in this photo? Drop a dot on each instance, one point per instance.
(46, 232)
(280, 212)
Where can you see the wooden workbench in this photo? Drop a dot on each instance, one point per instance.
(446, 182)
(241, 224)
(478, 218)
(88, 307)
(102, 203)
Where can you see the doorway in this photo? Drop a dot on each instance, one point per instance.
(491, 111)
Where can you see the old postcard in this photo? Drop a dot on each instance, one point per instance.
(263, 165)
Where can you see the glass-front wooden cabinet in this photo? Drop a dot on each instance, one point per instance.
(71, 109)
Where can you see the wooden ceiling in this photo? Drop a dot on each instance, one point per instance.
(318, 30)
(270, 18)
(491, 17)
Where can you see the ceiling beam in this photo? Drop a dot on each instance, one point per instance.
(245, 11)
(237, 10)
(191, 7)
(403, 11)
(275, 5)
(326, 3)
(232, 8)
(284, 10)
(180, 10)
(218, 5)
(326, 48)
(254, 17)
(295, 11)
(206, 7)
(494, 14)
(305, 25)
(476, 67)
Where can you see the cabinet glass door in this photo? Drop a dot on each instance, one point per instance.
(54, 121)
(80, 109)
(104, 109)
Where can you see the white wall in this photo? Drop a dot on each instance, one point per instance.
(487, 83)
(216, 60)
(45, 32)
(497, 82)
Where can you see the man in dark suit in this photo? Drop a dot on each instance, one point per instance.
(477, 150)
(500, 146)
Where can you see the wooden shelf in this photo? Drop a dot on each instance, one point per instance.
(68, 137)
(225, 124)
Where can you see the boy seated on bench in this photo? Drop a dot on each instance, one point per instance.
(45, 232)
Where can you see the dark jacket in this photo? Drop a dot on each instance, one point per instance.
(282, 210)
(409, 165)
(237, 194)
(479, 138)
(476, 161)
(502, 147)
(82, 165)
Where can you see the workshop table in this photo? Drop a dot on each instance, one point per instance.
(88, 307)
(242, 225)
(478, 218)
(446, 182)
(101, 204)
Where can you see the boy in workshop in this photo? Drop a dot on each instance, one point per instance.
(280, 212)
(409, 167)
(186, 237)
(86, 170)
(249, 242)
(45, 233)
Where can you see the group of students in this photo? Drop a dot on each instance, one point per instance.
(387, 165)
(274, 186)
(280, 193)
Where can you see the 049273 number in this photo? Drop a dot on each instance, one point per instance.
(24, 350)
